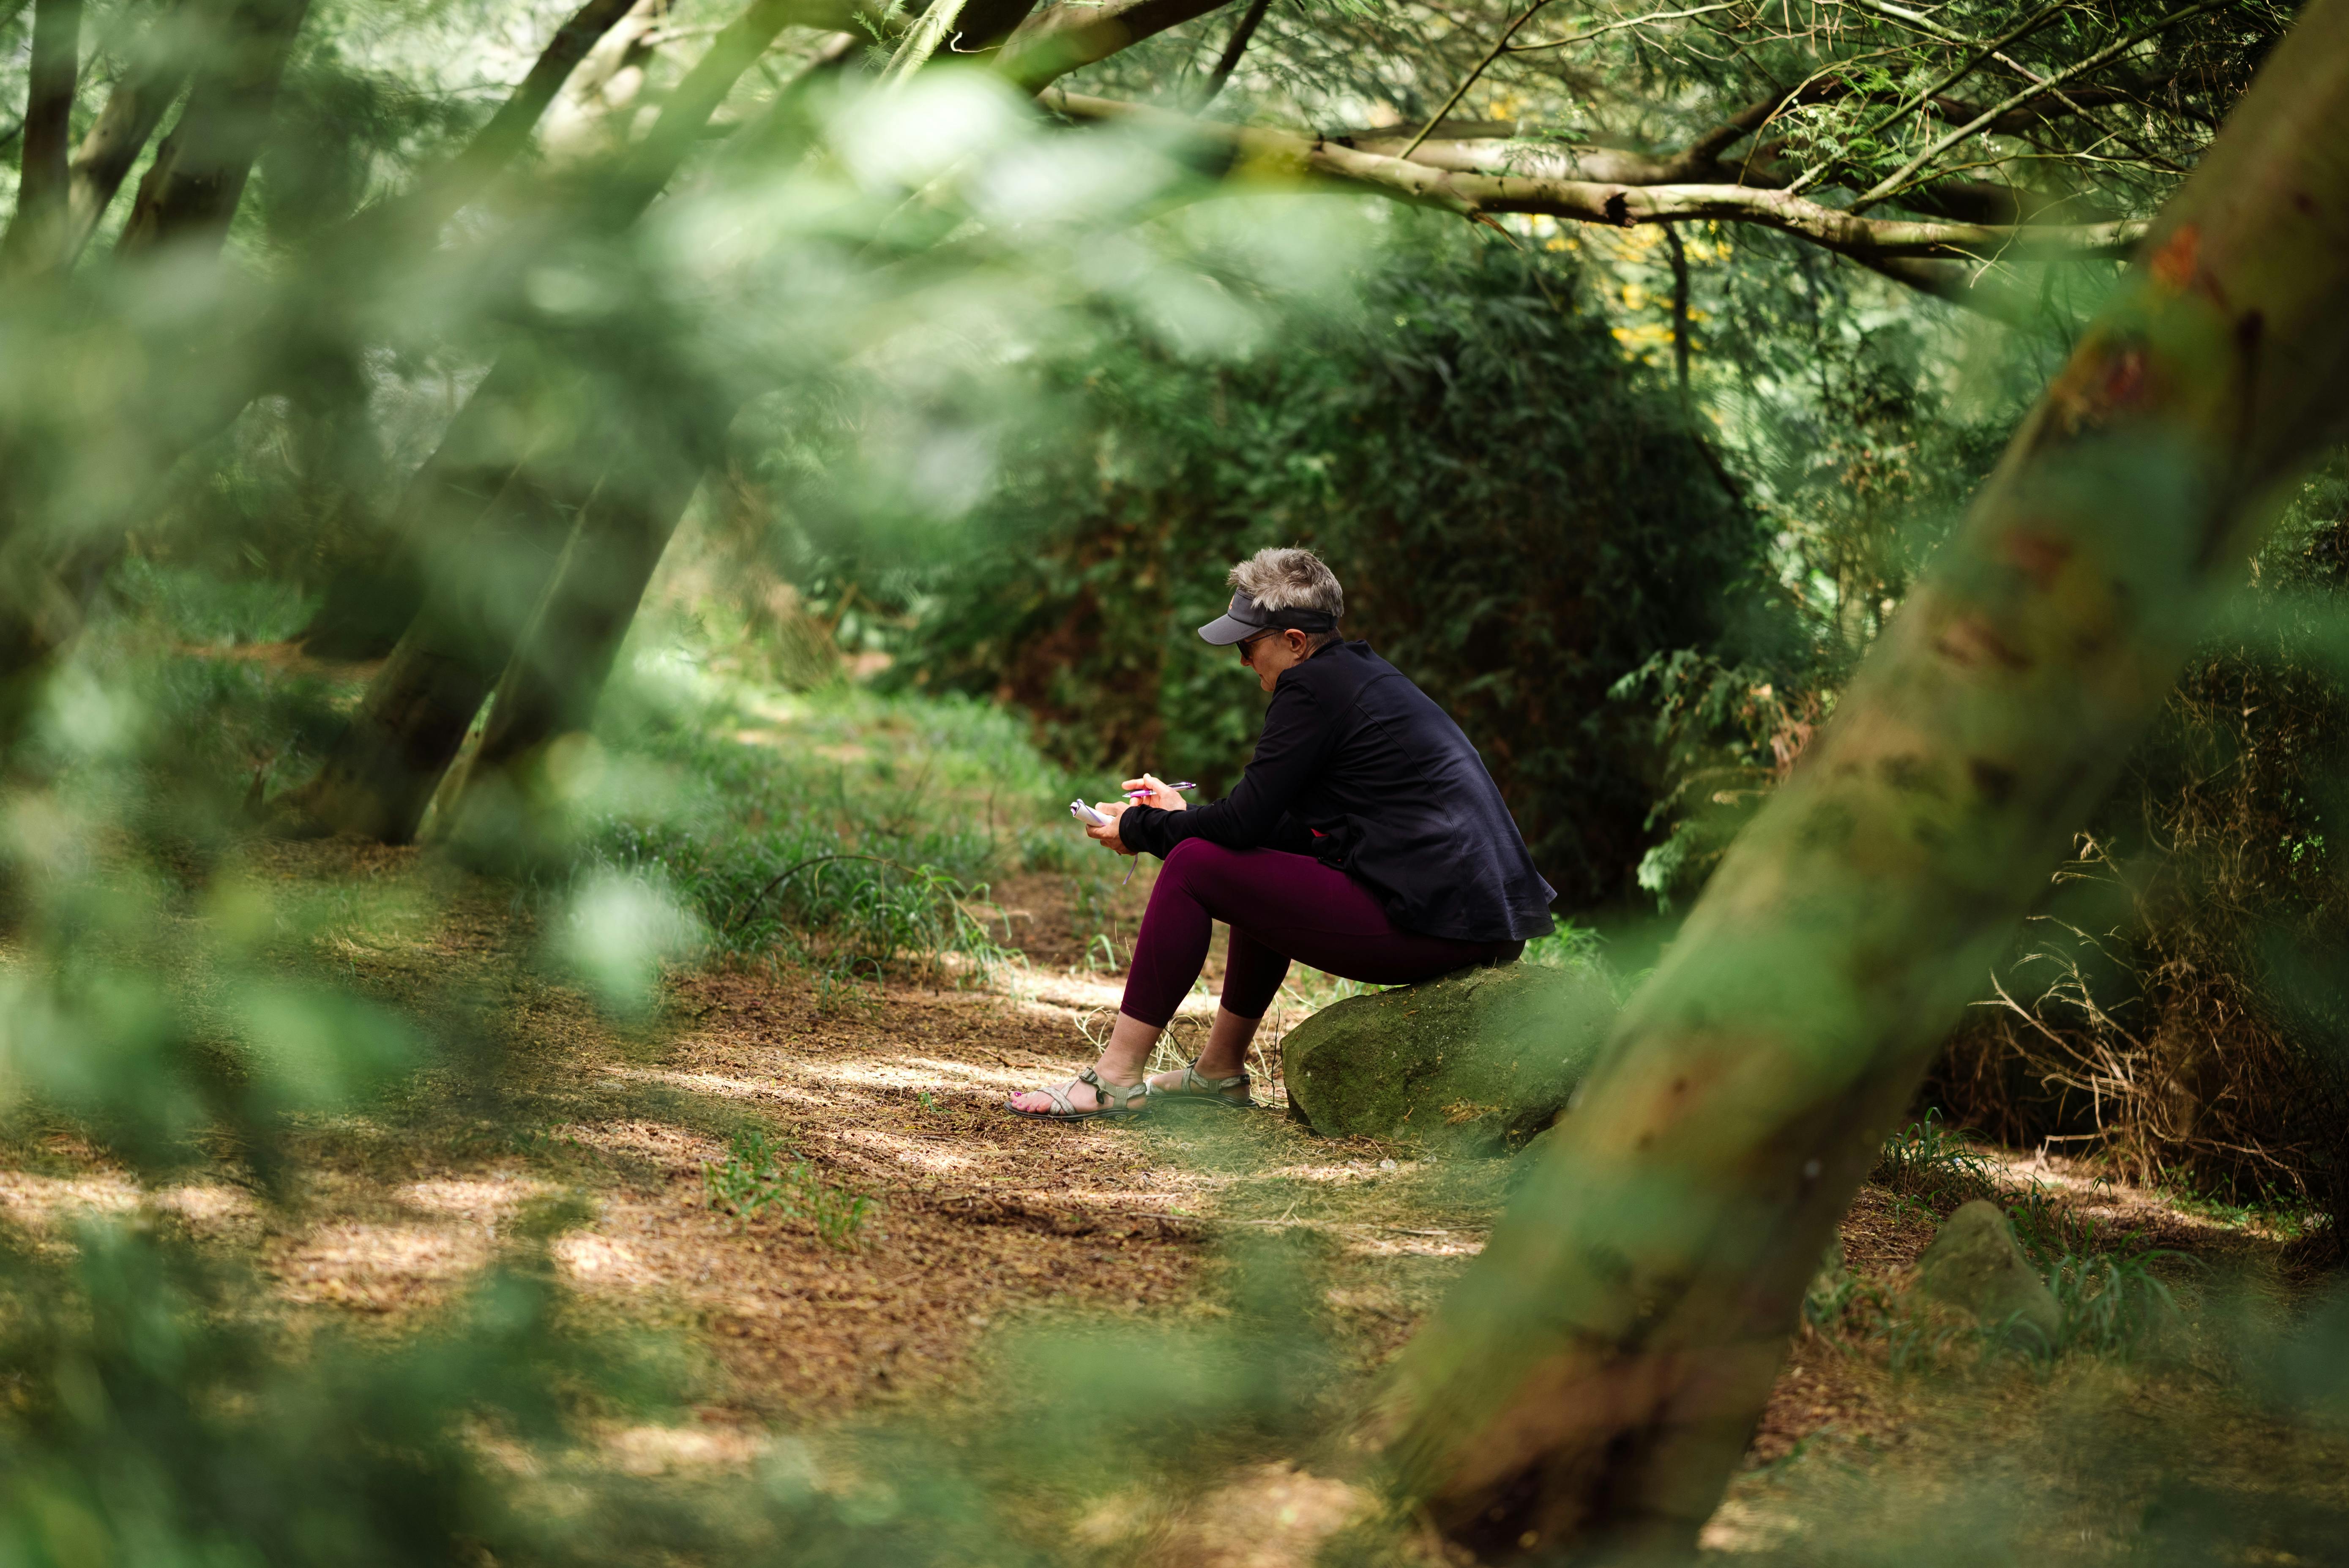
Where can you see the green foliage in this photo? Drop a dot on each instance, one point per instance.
(1926, 1159)
(2110, 1299)
(1567, 946)
(1520, 518)
(2200, 909)
(851, 835)
(752, 1180)
(2112, 1302)
(1840, 1303)
(1089, 916)
(1024, 402)
(153, 1415)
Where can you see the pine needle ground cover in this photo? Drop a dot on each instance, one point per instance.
(586, 1165)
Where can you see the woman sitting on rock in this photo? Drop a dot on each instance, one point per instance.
(1365, 839)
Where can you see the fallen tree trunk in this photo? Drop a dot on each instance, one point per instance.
(1595, 1379)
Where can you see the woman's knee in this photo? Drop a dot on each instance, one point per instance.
(1192, 856)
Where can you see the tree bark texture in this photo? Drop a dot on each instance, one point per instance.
(159, 69)
(36, 230)
(192, 190)
(1596, 1378)
(381, 774)
(1074, 34)
(447, 189)
(550, 687)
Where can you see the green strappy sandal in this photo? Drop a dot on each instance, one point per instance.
(1196, 1089)
(1116, 1100)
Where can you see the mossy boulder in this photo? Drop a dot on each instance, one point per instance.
(1481, 1060)
(1975, 1264)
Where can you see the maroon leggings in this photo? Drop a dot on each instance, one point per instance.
(1279, 907)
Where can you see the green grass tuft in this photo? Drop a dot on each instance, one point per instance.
(1928, 1160)
(752, 1180)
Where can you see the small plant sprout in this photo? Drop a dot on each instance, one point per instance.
(752, 1180)
(1928, 1162)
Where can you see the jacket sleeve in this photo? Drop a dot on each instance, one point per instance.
(1294, 748)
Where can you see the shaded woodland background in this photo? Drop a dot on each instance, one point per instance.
(363, 372)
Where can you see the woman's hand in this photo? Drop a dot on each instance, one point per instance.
(1152, 791)
(1107, 836)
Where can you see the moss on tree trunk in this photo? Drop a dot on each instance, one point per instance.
(1598, 1374)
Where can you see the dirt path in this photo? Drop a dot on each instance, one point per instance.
(981, 1223)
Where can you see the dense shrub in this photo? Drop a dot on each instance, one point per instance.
(2177, 1010)
(1520, 518)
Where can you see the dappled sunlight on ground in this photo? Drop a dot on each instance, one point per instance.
(43, 1202)
(594, 1139)
(660, 1451)
(46, 1204)
(489, 1201)
(376, 1268)
(1269, 1516)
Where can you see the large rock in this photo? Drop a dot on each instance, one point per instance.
(1480, 1060)
(1975, 1263)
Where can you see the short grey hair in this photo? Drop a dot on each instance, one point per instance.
(1285, 578)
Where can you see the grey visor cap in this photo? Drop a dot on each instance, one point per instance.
(1248, 618)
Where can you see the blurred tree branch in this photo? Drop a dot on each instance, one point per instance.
(34, 231)
(192, 190)
(159, 69)
(1074, 33)
(1481, 176)
(497, 144)
(1229, 60)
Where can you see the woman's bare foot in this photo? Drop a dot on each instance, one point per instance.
(1173, 1080)
(1121, 1064)
(1195, 1085)
(1225, 1055)
(1076, 1091)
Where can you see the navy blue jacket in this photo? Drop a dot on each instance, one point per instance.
(1354, 753)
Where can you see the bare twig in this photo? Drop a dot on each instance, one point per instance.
(1680, 310)
(1229, 60)
(1892, 183)
(1474, 193)
(1491, 54)
(1618, 27)
(922, 40)
(1965, 69)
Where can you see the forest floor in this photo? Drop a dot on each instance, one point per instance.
(985, 1231)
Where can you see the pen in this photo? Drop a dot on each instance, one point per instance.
(1138, 793)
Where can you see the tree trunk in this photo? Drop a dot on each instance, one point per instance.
(36, 231)
(192, 188)
(382, 774)
(1596, 1378)
(590, 118)
(548, 695)
(159, 69)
